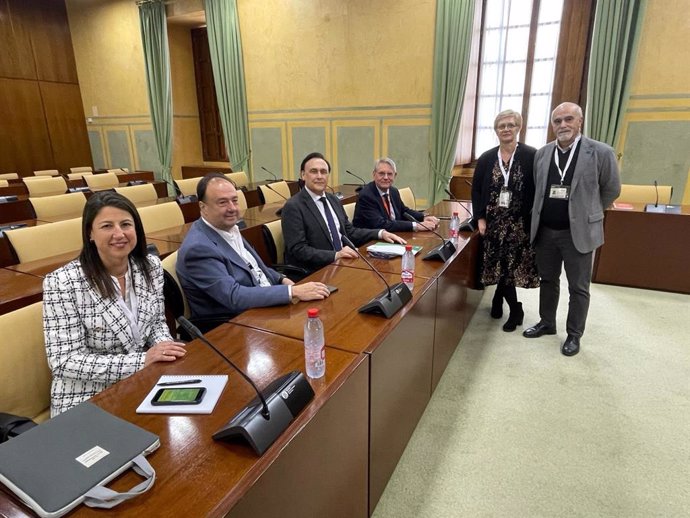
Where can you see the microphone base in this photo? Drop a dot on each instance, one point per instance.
(185, 199)
(441, 252)
(286, 397)
(662, 208)
(467, 226)
(381, 304)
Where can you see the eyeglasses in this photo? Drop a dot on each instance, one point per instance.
(509, 126)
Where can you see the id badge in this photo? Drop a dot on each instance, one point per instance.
(559, 192)
(504, 198)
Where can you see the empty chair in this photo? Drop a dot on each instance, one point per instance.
(141, 195)
(25, 376)
(41, 241)
(407, 197)
(77, 175)
(279, 191)
(175, 300)
(100, 182)
(239, 178)
(45, 186)
(241, 200)
(9, 176)
(4, 183)
(350, 210)
(119, 170)
(275, 246)
(47, 172)
(187, 186)
(645, 193)
(161, 216)
(62, 206)
(82, 169)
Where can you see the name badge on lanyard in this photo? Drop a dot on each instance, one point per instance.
(560, 191)
(505, 195)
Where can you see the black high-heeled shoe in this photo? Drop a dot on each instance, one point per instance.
(515, 318)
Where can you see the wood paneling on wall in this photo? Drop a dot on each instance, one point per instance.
(43, 124)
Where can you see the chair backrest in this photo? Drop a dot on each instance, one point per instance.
(100, 182)
(4, 183)
(52, 207)
(45, 186)
(9, 176)
(240, 178)
(645, 193)
(82, 169)
(686, 193)
(174, 295)
(350, 210)
(187, 186)
(408, 198)
(25, 376)
(161, 216)
(47, 172)
(273, 194)
(141, 195)
(119, 170)
(241, 200)
(275, 244)
(76, 176)
(41, 241)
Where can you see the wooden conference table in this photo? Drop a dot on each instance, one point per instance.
(337, 456)
(645, 249)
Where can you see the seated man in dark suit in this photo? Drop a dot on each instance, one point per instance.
(379, 204)
(219, 271)
(314, 220)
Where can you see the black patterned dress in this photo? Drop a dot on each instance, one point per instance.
(507, 253)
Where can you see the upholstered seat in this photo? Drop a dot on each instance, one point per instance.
(408, 198)
(41, 241)
(645, 193)
(51, 208)
(161, 216)
(239, 178)
(140, 195)
(103, 181)
(45, 186)
(278, 191)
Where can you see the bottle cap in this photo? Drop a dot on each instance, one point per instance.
(312, 312)
(408, 248)
(455, 213)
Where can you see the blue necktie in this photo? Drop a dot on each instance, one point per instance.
(335, 236)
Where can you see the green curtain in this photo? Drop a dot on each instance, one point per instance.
(451, 63)
(225, 46)
(617, 26)
(154, 37)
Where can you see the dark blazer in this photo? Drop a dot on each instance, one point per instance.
(596, 184)
(217, 281)
(307, 237)
(481, 181)
(88, 340)
(371, 213)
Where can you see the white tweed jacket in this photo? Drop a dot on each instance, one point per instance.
(88, 340)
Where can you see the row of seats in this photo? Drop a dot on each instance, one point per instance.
(187, 186)
(50, 186)
(75, 172)
(60, 237)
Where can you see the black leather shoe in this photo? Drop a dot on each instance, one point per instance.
(538, 330)
(571, 346)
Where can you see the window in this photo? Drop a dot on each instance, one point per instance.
(520, 41)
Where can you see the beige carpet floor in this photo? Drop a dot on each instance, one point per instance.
(516, 429)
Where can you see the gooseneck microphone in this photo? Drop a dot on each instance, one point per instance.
(466, 225)
(275, 178)
(358, 178)
(261, 424)
(181, 198)
(656, 189)
(442, 252)
(280, 210)
(390, 300)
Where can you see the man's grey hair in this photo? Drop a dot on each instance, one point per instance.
(385, 160)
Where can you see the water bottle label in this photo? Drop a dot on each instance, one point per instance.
(407, 276)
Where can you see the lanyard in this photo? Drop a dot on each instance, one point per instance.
(570, 159)
(506, 174)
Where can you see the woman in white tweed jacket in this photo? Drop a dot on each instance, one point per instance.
(103, 313)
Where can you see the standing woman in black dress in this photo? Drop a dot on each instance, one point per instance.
(502, 196)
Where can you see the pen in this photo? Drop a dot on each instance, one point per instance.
(183, 382)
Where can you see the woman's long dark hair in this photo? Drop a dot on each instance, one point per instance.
(96, 274)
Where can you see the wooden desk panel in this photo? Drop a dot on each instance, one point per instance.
(18, 210)
(645, 250)
(316, 468)
(18, 290)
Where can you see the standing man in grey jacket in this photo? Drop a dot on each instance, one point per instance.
(576, 179)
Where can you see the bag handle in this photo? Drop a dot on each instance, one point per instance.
(105, 498)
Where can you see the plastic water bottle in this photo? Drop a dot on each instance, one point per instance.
(407, 275)
(454, 228)
(314, 350)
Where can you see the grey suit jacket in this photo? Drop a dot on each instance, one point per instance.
(217, 281)
(88, 340)
(596, 184)
(307, 237)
